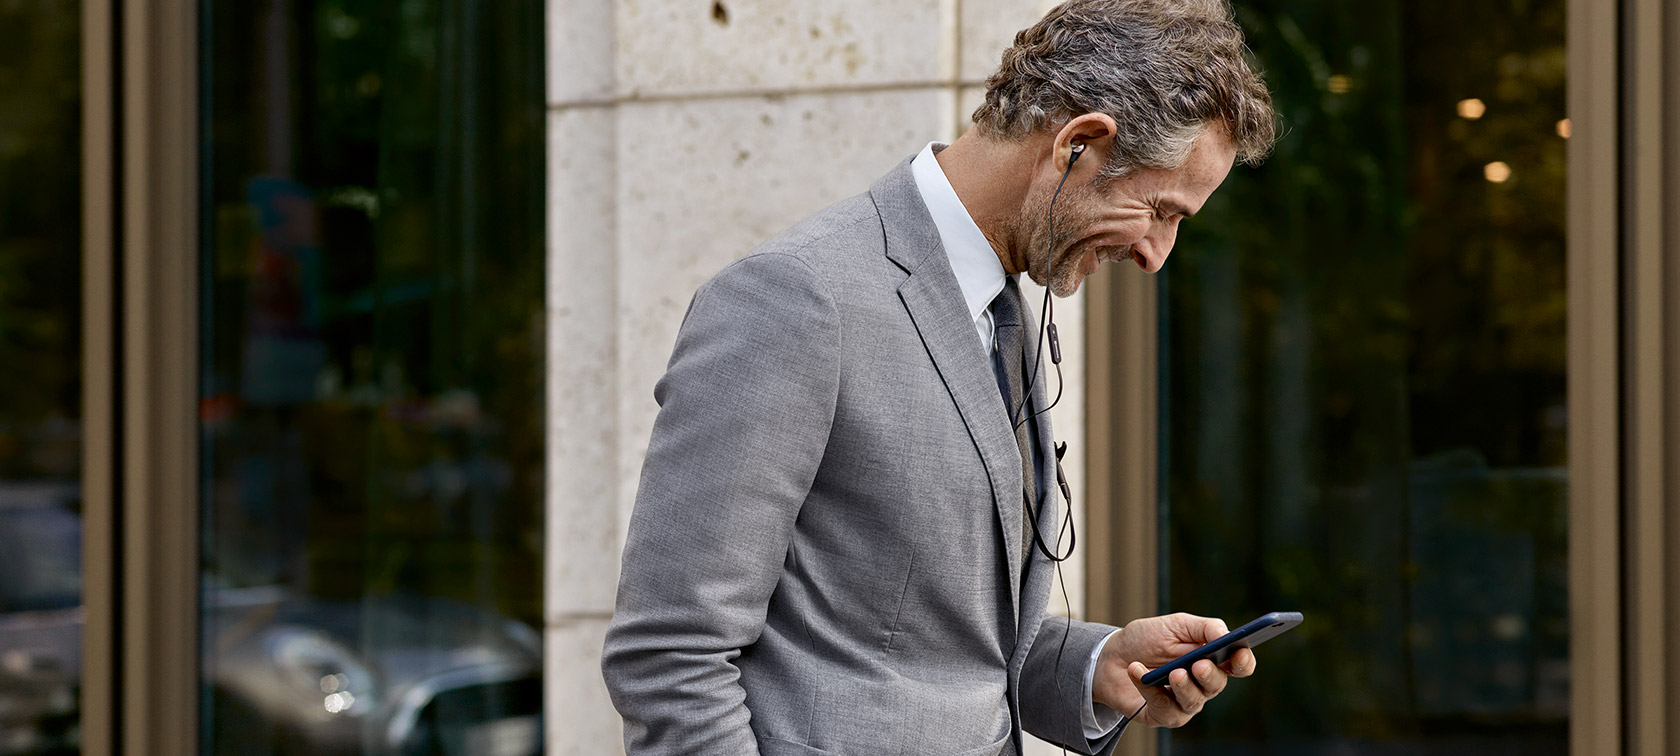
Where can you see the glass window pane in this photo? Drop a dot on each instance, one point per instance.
(1365, 413)
(371, 417)
(40, 387)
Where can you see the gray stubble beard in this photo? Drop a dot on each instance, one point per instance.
(1064, 278)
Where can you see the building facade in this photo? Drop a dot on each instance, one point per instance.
(331, 329)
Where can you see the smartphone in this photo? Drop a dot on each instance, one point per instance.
(1220, 649)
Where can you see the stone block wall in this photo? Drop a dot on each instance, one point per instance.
(682, 133)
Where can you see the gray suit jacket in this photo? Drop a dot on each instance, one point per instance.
(825, 552)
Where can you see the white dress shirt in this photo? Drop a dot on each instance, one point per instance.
(980, 276)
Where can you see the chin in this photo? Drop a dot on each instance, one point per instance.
(1065, 276)
(1066, 286)
(1067, 290)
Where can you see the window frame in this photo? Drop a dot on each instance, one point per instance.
(140, 252)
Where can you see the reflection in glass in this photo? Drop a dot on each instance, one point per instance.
(41, 384)
(1364, 411)
(371, 409)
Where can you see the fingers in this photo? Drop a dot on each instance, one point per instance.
(1186, 691)
(1242, 663)
(1210, 679)
(1160, 708)
(1212, 628)
(1192, 691)
(1182, 698)
(1184, 695)
(1195, 628)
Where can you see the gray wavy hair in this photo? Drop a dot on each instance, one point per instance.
(1164, 70)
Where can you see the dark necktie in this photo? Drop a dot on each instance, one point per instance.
(1008, 361)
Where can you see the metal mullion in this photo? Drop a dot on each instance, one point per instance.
(1666, 59)
(158, 644)
(1594, 435)
(100, 383)
(1669, 60)
(1122, 417)
(1643, 384)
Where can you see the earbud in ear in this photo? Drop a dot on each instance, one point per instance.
(1078, 149)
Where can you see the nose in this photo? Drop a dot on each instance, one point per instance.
(1162, 239)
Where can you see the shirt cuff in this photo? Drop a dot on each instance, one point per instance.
(1098, 720)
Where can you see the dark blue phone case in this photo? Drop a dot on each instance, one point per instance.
(1220, 649)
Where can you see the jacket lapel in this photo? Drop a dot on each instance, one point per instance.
(935, 303)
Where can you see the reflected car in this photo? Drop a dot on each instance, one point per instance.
(40, 618)
(398, 675)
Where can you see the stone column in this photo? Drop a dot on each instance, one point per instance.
(682, 134)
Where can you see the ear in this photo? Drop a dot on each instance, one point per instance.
(1094, 130)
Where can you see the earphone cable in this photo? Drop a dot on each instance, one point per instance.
(1047, 313)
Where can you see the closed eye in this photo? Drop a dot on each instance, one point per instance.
(1177, 209)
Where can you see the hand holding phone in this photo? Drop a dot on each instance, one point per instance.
(1220, 649)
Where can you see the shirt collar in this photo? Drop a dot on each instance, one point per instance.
(979, 272)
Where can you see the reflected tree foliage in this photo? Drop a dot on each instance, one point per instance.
(40, 240)
(1363, 402)
(374, 358)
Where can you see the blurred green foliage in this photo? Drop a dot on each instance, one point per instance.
(1363, 402)
(411, 292)
(40, 239)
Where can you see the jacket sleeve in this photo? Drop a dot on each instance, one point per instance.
(745, 410)
(1051, 692)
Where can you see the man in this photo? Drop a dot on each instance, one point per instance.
(830, 551)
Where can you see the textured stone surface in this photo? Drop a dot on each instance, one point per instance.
(580, 50)
(675, 47)
(989, 27)
(727, 175)
(580, 720)
(968, 98)
(582, 552)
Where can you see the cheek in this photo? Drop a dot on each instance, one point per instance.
(1164, 237)
(1125, 233)
(1108, 226)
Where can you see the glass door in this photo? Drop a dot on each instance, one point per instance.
(1363, 400)
(371, 414)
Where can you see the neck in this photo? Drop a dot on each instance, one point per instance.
(987, 176)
